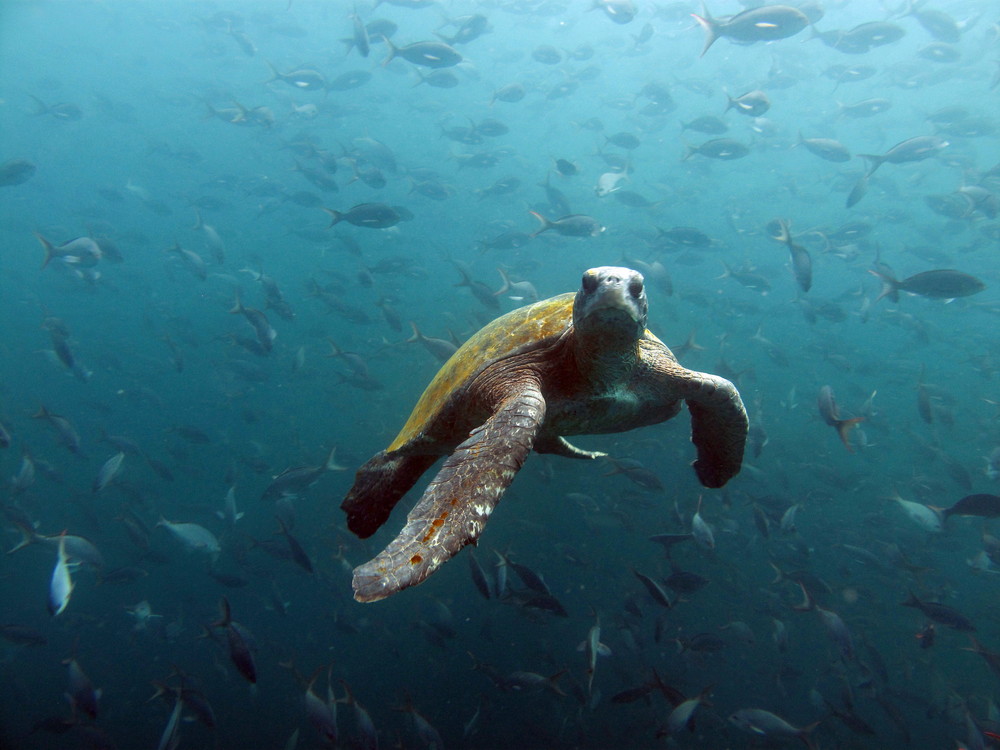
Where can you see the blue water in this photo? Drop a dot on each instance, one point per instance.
(159, 361)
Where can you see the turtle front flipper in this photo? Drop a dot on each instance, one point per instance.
(458, 501)
(719, 426)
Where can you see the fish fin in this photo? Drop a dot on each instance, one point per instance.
(843, 429)
(710, 26)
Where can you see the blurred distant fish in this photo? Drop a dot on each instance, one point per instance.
(830, 413)
(16, 172)
(240, 641)
(367, 215)
(216, 246)
(801, 260)
(298, 479)
(61, 582)
(938, 284)
(82, 252)
(725, 149)
(753, 103)
(574, 225)
(764, 24)
(229, 514)
(304, 79)
(67, 433)
(65, 111)
(825, 148)
(912, 149)
(428, 54)
(258, 321)
(192, 536)
(82, 695)
(619, 11)
(111, 468)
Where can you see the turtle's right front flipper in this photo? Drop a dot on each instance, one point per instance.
(459, 500)
(378, 486)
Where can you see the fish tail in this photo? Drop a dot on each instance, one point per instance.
(392, 50)
(689, 151)
(875, 161)
(198, 223)
(237, 307)
(275, 75)
(710, 26)
(48, 247)
(28, 536)
(890, 286)
(843, 429)
(415, 338)
(335, 216)
(546, 224)
(807, 602)
(331, 461)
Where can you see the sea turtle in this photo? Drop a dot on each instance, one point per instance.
(569, 365)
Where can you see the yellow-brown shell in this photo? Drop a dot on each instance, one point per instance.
(527, 325)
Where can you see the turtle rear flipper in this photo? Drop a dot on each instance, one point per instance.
(458, 502)
(378, 486)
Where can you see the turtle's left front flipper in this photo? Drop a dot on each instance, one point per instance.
(719, 425)
(459, 500)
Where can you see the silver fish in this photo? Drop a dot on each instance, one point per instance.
(61, 584)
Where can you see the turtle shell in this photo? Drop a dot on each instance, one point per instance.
(526, 326)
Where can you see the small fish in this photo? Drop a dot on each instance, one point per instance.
(111, 468)
(295, 548)
(830, 413)
(941, 613)
(367, 216)
(193, 536)
(240, 641)
(655, 590)
(982, 505)
(573, 225)
(763, 24)
(752, 104)
(928, 518)
(725, 149)
(258, 321)
(82, 695)
(938, 284)
(825, 148)
(683, 713)
(801, 260)
(763, 723)
(296, 479)
(609, 182)
(61, 583)
(911, 150)
(16, 172)
(81, 252)
(428, 54)
(701, 531)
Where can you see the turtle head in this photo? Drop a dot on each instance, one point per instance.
(611, 300)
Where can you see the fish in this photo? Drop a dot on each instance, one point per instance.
(911, 150)
(927, 517)
(943, 283)
(593, 648)
(683, 713)
(801, 260)
(752, 104)
(304, 79)
(609, 182)
(439, 348)
(192, 536)
(830, 413)
(763, 723)
(297, 479)
(16, 172)
(107, 473)
(258, 321)
(825, 148)
(367, 216)
(428, 54)
(299, 555)
(763, 24)
(982, 505)
(240, 641)
(573, 225)
(61, 582)
(865, 108)
(67, 433)
(941, 613)
(708, 124)
(654, 589)
(82, 695)
(701, 532)
(725, 149)
(81, 252)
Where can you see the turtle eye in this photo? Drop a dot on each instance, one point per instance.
(589, 282)
(635, 286)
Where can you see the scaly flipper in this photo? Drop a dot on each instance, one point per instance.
(458, 502)
(378, 486)
(718, 422)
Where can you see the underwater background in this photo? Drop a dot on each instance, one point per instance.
(174, 155)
